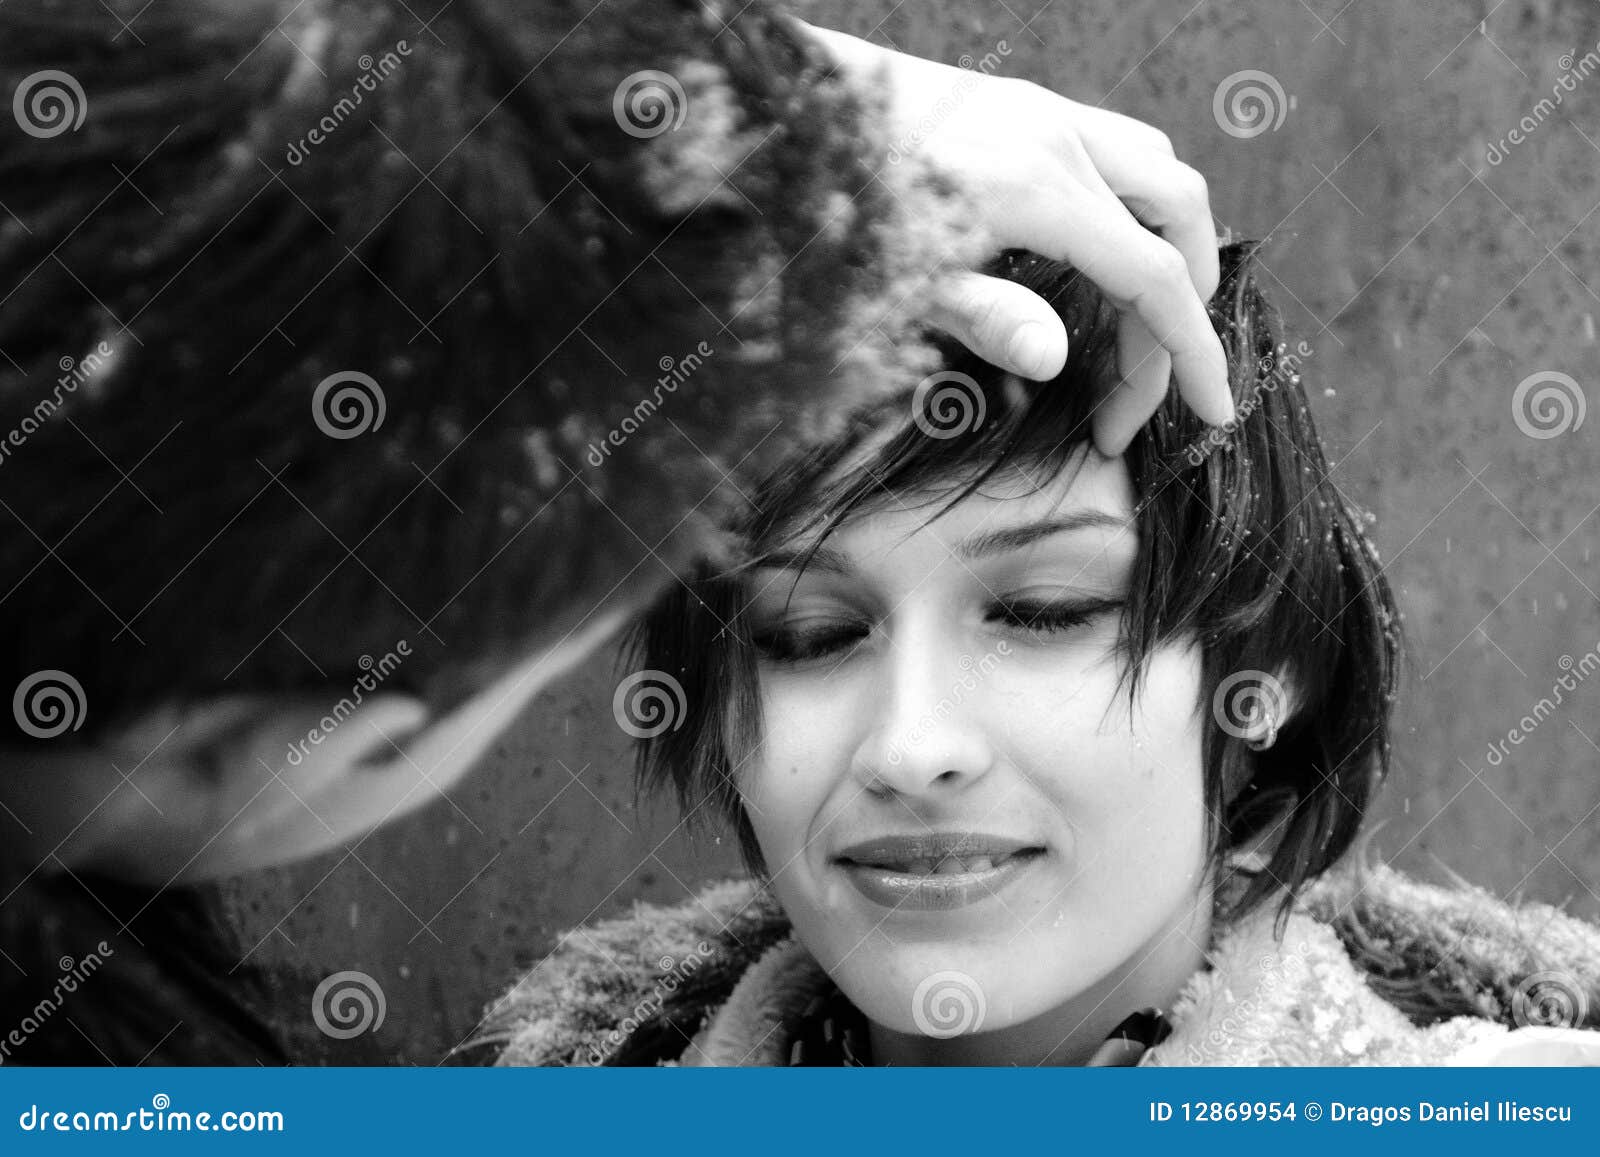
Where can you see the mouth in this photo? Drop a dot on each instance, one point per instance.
(936, 870)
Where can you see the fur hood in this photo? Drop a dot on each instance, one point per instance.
(1370, 967)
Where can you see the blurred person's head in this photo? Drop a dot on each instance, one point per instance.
(982, 701)
(324, 349)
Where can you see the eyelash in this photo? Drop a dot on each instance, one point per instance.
(798, 646)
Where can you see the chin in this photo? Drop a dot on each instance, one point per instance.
(940, 990)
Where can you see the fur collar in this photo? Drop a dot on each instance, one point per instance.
(1369, 968)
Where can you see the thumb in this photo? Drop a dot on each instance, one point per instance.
(1002, 322)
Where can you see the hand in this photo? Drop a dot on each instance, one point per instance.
(1076, 184)
(237, 784)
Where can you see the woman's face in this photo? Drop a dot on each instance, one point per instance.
(958, 809)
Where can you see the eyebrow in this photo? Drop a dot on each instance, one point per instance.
(827, 560)
(1016, 537)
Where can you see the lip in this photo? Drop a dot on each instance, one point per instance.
(870, 866)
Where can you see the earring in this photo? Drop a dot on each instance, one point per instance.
(1264, 741)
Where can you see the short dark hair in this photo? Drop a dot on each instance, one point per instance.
(1245, 544)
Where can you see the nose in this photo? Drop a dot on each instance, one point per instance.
(927, 730)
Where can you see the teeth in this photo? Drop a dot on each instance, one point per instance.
(947, 865)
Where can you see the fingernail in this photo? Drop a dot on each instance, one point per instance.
(1232, 411)
(1029, 348)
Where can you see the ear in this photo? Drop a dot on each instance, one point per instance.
(1251, 708)
(1256, 706)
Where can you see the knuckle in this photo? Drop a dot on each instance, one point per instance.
(1165, 268)
(1191, 187)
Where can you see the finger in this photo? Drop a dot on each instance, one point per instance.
(1146, 371)
(1114, 126)
(1002, 322)
(1137, 270)
(1166, 194)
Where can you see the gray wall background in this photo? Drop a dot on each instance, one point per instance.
(1430, 284)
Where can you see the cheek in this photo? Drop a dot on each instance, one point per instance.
(786, 785)
(1135, 799)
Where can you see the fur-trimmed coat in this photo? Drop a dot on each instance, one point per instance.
(1372, 968)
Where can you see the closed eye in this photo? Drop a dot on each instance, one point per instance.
(1050, 618)
(796, 643)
